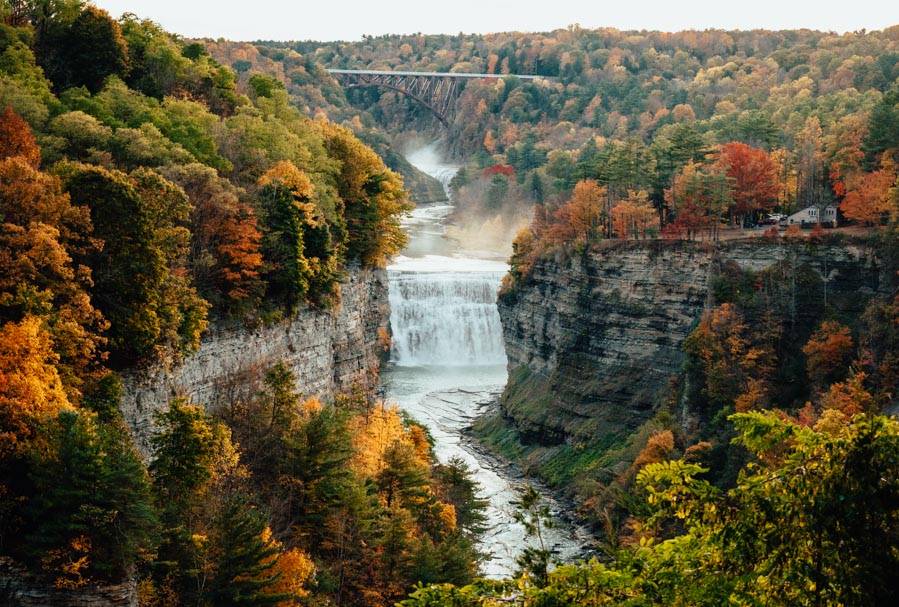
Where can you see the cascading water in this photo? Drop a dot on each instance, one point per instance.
(448, 360)
(445, 317)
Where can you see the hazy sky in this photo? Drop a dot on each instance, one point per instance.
(350, 19)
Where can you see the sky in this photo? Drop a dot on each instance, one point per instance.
(327, 20)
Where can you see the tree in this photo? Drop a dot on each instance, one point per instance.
(829, 351)
(634, 217)
(534, 515)
(93, 48)
(42, 235)
(301, 258)
(698, 197)
(246, 558)
(870, 201)
(581, 218)
(30, 387)
(91, 515)
(225, 258)
(753, 178)
(373, 198)
(140, 282)
(16, 138)
(811, 189)
(883, 129)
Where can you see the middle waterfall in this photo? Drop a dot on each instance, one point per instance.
(446, 316)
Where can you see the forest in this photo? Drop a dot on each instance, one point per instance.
(152, 186)
(144, 195)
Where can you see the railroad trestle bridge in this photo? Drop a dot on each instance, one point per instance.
(437, 91)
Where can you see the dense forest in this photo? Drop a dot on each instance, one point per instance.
(151, 185)
(144, 194)
(803, 117)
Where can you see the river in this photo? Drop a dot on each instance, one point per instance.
(448, 362)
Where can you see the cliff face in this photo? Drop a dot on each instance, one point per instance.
(18, 589)
(328, 352)
(595, 341)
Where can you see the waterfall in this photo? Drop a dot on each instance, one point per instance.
(445, 318)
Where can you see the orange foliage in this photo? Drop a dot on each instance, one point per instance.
(829, 350)
(581, 217)
(869, 201)
(849, 397)
(634, 216)
(30, 386)
(16, 139)
(658, 448)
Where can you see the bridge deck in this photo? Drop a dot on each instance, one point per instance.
(434, 74)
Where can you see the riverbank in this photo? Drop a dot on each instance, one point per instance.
(562, 506)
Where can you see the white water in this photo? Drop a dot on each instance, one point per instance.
(448, 361)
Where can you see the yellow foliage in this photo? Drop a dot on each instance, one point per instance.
(30, 386)
(374, 434)
(297, 570)
(286, 174)
(68, 564)
(311, 406)
(448, 517)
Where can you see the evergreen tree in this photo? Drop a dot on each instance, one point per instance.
(91, 515)
(246, 555)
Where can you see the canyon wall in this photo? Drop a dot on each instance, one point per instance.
(19, 589)
(328, 351)
(594, 340)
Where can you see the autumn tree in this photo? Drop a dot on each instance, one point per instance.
(581, 218)
(870, 201)
(634, 217)
(753, 178)
(301, 255)
(16, 138)
(373, 198)
(829, 351)
(225, 257)
(698, 197)
(31, 389)
(43, 235)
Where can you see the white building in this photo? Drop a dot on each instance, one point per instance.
(809, 216)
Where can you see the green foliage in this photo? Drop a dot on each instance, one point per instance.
(812, 522)
(246, 556)
(136, 282)
(91, 500)
(533, 562)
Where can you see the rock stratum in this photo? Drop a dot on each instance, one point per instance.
(329, 352)
(594, 340)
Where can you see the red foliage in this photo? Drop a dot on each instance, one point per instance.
(505, 170)
(754, 176)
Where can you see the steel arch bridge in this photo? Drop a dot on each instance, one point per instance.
(437, 91)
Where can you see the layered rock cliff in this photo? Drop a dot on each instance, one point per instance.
(19, 589)
(594, 341)
(329, 352)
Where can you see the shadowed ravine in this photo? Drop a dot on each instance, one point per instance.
(448, 361)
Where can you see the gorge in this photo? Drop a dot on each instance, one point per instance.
(448, 361)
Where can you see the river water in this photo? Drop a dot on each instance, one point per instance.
(448, 362)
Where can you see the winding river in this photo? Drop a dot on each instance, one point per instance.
(448, 362)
